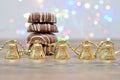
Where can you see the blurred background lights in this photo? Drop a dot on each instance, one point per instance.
(23, 32)
(105, 31)
(87, 5)
(66, 11)
(73, 17)
(78, 3)
(20, 0)
(56, 10)
(41, 6)
(73, 12)
(59, 38)
(96, 6)
(18, 32)
(98, 14)
(67, 37)
(95, 22)
(101, 1)
(40, 1)
(108, 39)
(108, 18)
(66, 16)
(91, 34)
(71, 2)
(97, 19)
(61, 28)
(107, 7)
(58, 15)
(26, 15)
(11, 20)
(89, 18)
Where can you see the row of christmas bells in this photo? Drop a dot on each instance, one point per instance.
(86, 52)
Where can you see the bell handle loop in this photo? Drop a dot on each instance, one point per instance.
(4, 44)
(56, 48)
(116, 52)
(74, 49)
(99, 48)
(93, 44)
(24, 51)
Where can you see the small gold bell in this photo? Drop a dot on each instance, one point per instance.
(37, 51)
(107, 50)
(86, 52)
(12, 52)
(61, 50)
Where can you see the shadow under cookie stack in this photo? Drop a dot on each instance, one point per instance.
(42, 26)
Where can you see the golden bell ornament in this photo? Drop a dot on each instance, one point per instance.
(107, 50)
(12, 52)
(37, 51)
(86, 53)
(61, 50)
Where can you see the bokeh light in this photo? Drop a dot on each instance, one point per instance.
(91, 34)
(105, 31)
(89, 18)
(73, 12)
(20, 0)
(96, 6)
(95, 22)
(108, 39)
(26, 15)
(72, 16)
(67, 37)
(101, 1)
(11, 20)
(98, 14)
(17, 32)
(40, 1)
(87, 5)
(107, 7)
(61, 28)
(23, 32)
(108, 18)
(78, 3)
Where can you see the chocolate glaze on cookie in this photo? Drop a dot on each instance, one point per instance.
(42, 18)
(45, 37)
(42, 28)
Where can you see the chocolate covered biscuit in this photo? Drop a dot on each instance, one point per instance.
(42, 28)
(37, 17)
(45, 37)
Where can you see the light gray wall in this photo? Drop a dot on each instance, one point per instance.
(78, 24)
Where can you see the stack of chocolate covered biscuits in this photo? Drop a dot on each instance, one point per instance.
(42, 26)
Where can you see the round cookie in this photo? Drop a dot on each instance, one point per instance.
(42, 18)
(45, 37)
(42, 28)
